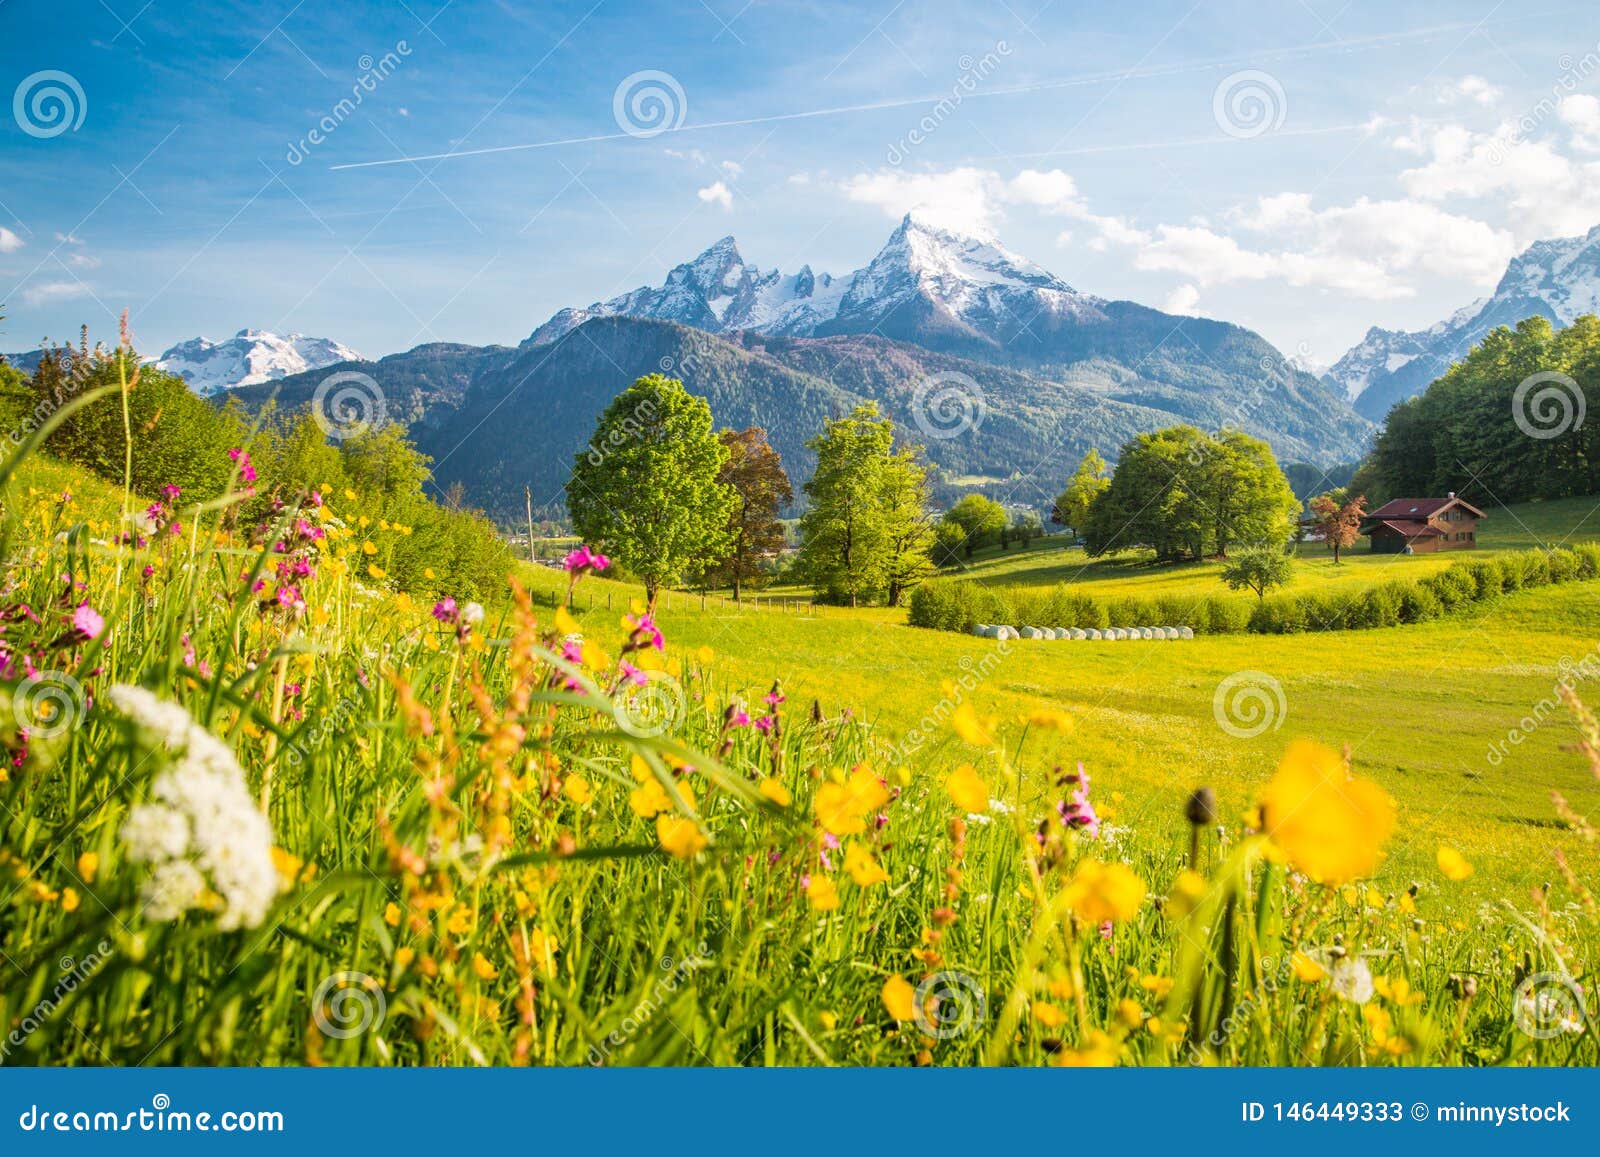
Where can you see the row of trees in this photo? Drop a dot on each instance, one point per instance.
(671, 498)
(1506, 423)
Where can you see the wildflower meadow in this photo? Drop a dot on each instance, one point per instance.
(261, 807)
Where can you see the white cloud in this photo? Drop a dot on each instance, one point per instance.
(1581, 112)
(716, 194)
(1182, 300)
(732, 168)
(970, 200)
(962, 199)
(1542, 192)
(1468, 88)
(55, 291)
(9, 241)
(83, 261)
(1367, 249)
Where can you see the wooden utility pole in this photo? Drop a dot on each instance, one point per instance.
(527, 494)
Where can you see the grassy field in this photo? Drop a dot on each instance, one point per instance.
(1052, 560)
(475, 847)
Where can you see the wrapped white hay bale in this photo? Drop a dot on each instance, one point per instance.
(1093, 634)
(1004, 633)
(1032, 633)
(1147, 633)
(1077, 634)
(1172, 633)
(1185, 632)
(981, 629)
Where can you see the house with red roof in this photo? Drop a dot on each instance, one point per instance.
(1423, 525)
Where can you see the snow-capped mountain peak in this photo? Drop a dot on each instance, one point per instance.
(250, 357)
(1558, 279)
(950, 279)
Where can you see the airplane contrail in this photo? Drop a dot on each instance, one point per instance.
(1349, 45)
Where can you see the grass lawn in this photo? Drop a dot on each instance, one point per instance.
(1420, 706)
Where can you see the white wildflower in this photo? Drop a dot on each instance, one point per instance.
(201, 831)
(1351, 979)
(472, 614)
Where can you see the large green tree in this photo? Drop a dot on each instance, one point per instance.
(979, 519)
(1072, 505)
(646, 489)
(865, 535)
(1186, 494)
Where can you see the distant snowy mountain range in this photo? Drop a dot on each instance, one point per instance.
(963, 285)
(1558, 279)
(250, 357)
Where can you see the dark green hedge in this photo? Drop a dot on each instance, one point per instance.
(959, 604)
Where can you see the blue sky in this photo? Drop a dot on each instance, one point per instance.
(1379, 165)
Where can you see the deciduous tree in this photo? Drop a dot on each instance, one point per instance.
(652, 498)
(761, 488)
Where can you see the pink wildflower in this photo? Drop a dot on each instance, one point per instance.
(88, 621)
(445, 610)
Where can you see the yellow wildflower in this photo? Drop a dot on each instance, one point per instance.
(900, 998)
(822, 894)
(576, 788)
(1331, 825)
(863, 869)
(776, 792)
(369, 547)
(1307, 969)
(843, 807)
(69, 899)
(391, 915)
(970, 728)
(1052, 719)
(680, 835)
(484, 969)
(88, 865)
(1048, 1014)
(967, 789)
(403, 958)
(1453, 864)
(1100, 892)
(1099, 1052)
(566, 624)
(460, 922)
